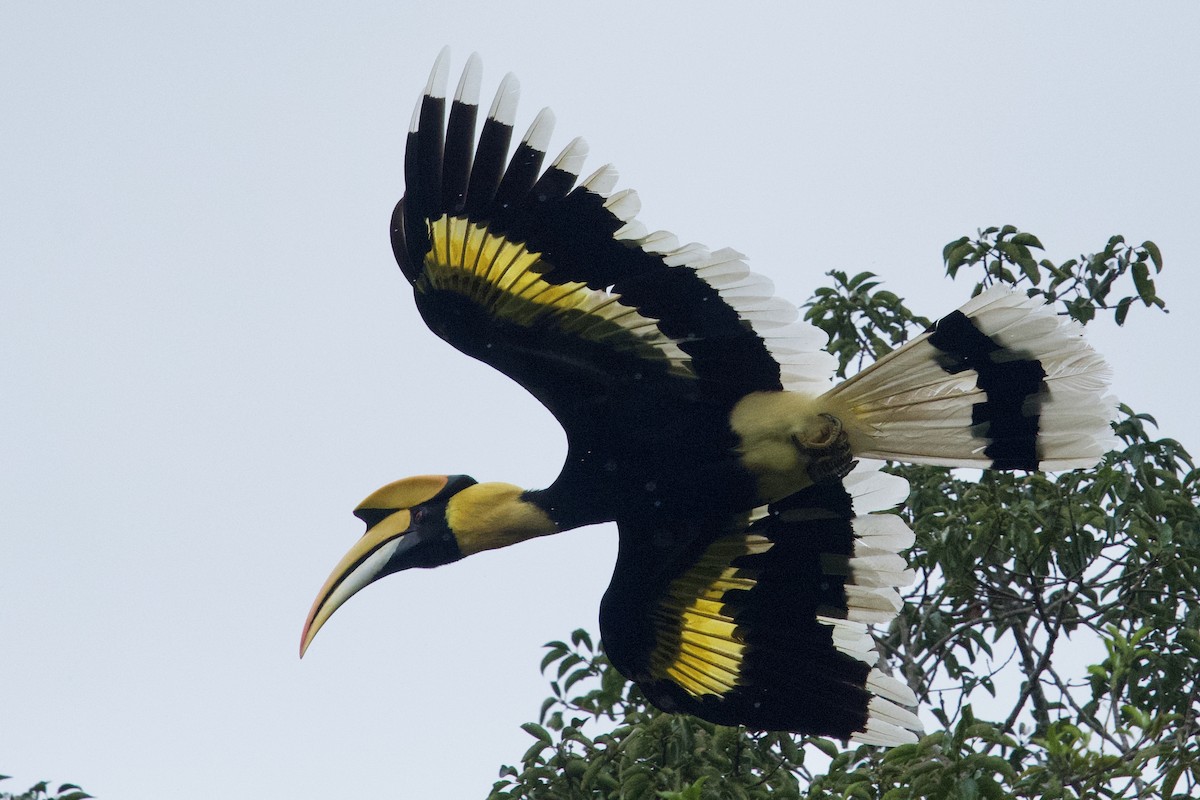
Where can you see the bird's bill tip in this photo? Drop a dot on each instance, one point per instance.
(364, 563)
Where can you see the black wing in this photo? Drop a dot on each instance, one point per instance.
(765, 625)
(559, 287)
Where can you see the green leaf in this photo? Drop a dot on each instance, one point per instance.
(1029, 270)
(1170, 779)
(1123, 309)
(571, 660)
(692, 792)
(1143, 283)
(952, 246)
(535, 750)
(556, 651)
(955, 256)
(861, 789)
(789, 750)
(825, 746)
(546, 704)
(1155, 254)
(537, 732)
(575, 677)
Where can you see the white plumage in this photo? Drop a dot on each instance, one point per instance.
(916, 410)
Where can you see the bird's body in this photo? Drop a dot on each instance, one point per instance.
(701, 418)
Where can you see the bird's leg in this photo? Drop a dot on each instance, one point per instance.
(828, 449)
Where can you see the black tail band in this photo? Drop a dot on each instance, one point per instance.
(1013, 383)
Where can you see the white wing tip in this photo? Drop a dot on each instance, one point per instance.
(884, 734)
(504, 107)
(468, 85)
(624, 205)
(538, 135)
(890, 688)
(602, 181)
(888, 725)
(571, 159)
(439, 75)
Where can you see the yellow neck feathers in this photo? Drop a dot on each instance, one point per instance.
(491, 515)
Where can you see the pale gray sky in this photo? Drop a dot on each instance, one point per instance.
(208, 356)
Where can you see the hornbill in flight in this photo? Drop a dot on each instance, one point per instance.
(702, 419)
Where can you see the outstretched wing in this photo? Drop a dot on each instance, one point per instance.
(559, 286)
(766, 624)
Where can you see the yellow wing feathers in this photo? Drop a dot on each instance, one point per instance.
(699, 644)
(509, 281)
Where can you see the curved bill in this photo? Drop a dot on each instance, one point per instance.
(366, 562)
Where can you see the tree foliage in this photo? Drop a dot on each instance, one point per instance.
(1052, 631)
(41, 791)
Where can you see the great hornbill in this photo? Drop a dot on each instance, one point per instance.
(701, 418)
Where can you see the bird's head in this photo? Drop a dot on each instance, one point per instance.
(425, 521)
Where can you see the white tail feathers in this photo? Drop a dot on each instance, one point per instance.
(873, 574)
(1002, 383)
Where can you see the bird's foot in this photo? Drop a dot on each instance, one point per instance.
(828, 450)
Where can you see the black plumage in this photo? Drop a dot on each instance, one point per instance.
(701, 419)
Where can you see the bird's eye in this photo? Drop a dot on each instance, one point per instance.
(419, 515)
